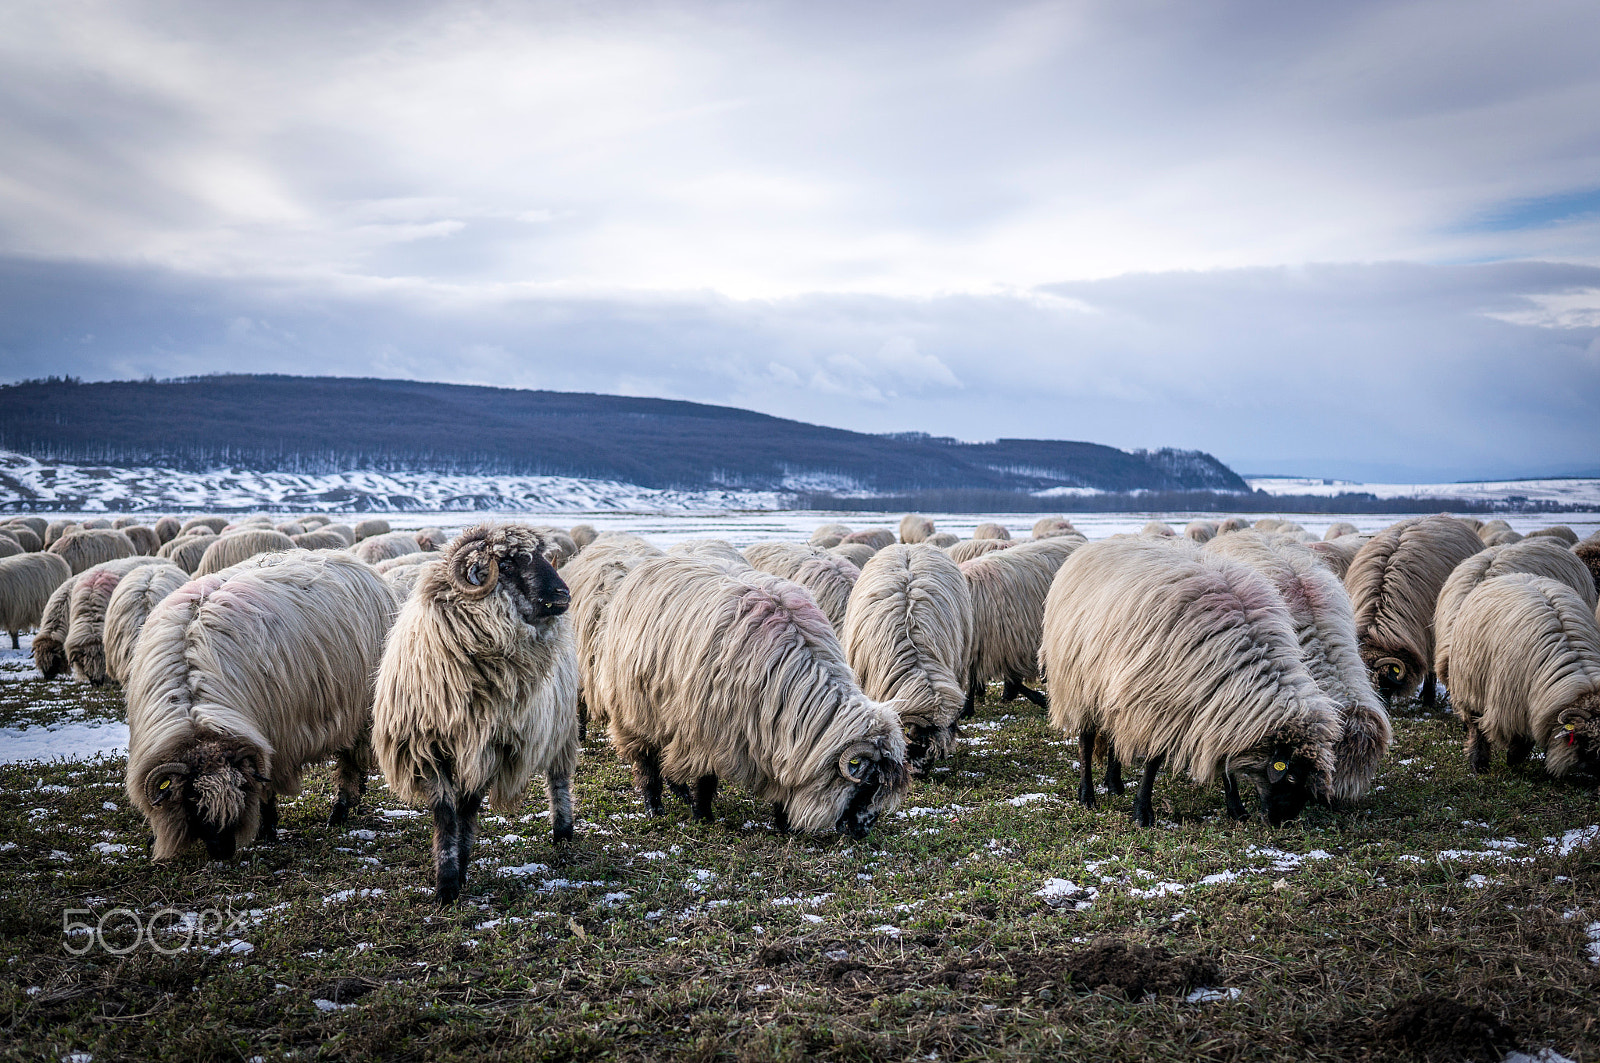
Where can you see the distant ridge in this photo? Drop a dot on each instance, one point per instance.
(320, 425)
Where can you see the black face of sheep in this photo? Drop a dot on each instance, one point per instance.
(1284, 786)
(1580, 732)
(869, 774)
(49, 655)
(214, 790)
(1393, 673)
(517, 566)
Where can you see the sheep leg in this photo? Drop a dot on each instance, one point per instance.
(705, 792)
(1520, 748)
(558, 786)
(1113, 771)
(466, 835)
(352, 783)
(1429, 690)
(583, 722)
(1230, 790)
(1011, 691)
(647, 777)
(1086, 758)
(14, 643)
(268, 830)
(446, 848)
(1143, 814)
(1038, 697)
(780, 817)
(970, 706)
(1477, 750)
(682, 791)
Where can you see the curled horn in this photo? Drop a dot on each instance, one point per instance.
(156, 783)
(857, 763)
(473, 571)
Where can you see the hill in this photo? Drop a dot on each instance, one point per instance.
(319, 425)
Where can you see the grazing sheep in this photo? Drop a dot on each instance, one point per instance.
(857, 554)
(1231, 524)
(1270, 523)
(239, 546)
(375, 548)
(1394, 585)
(1493, 527)
(967, 549)
(26, 583)
(366, 529)
(313, 521)
(9, 547)
(1200, 531)
(1159, 528)
(1338, 529)
(1502, 538)
(248, 524)
(709, 549)
(877, 538)
(144, 538)
(403, 579)
(56, 529)
(319, 539)
(1045, 527)
(1325, 625)
(26, 538)
(1008, 589)
(1188, 660)
(127, 520)
(583, 535)
(291, 528)
(85, 643)
(55, 623)
(419, 557)
(1527, 672)
(478, 691)
(1556, 531)
(136, 596)
(1337, 554)
(829, 531)
(343, 531)
(432, 539)
(827, 542)
(89, 547)
(780, 558)
(990, 530)
(908, 635)
(1542, 556)
(709, 673)
(831, 581)
(915, 528)
(215, 524)
(38, 525)
(592, 580)
(95, 524)
(186, 551)
(942, 539)
(242, 679)
(1588, 552)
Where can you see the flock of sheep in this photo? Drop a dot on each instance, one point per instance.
(821, 676)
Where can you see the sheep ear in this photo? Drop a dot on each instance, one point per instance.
(1278, 766)
(165, 782)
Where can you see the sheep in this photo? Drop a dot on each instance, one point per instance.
(990, 530)
(214, 524)
(432, 539)
(826, 531)
(915, 528)
(136, 596)
(1188, 660)
(49, 639)
(319, 539)
(712, 673)
(1338, 529)
(559, 547)
(1231, 524)
(144, 539)
(1542, 556)
(9, 547)
(186, 551)
(403, 580)
(1493, 527)
(1200, 531)
(477, 691)
(1394, 583)
(419, 557)
(857, 554)
(967, 549)
(1159, 528)
(1556, 531)
(1337, 554)
(291, 528)
(366, 529)
(26, 538)
(942, 539)
(709, 549)
(908, 635)
(26, 583)
(1527, 673)
(235, 547)
(242, 679)
(38, 525)
(1319, 608)
(592, 579)
(343, 531)
(85, 642)
(313, 521)
(96, 524)
(831, 581)
(87, 548)
(1588, 552)
(582, 535)
(1045, 527)
(375, 548)
(56, 529)
(877, 538)
(828, 542)
(1008, 589)
(1502, 538)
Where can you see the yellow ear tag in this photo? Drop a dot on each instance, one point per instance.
(164, 784)
(1280, 766)
(1572, 726)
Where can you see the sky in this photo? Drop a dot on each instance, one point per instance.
(1356, 240)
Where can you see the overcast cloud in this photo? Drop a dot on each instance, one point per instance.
(1347, 240)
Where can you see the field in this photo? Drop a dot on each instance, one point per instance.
(1450, 917)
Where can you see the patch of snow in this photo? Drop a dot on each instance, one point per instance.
(68, 740)
(1211, 996)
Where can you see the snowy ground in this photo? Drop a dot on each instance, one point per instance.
(1571, 492)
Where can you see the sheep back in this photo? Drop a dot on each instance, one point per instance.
(228, 550)
(1008, 589)
(967, 549)
(135, 597)
(319, 539)
(709, 549)
(84, 549)
(857, 554)
(877, 538)
(592, 579)
(26, 583)
(366, 529)
(385, 546)
(915, 528)
(85, 644)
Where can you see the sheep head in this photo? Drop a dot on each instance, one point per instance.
(1394, 672)
(850, 790)
(1286, 774)
(1574, 741)
(50, 655)
(211, 791)
(507, 560)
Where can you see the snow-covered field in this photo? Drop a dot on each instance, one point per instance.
(1570, 492)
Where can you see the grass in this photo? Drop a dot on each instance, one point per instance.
(663, 939)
